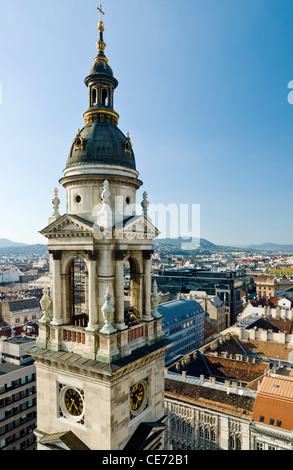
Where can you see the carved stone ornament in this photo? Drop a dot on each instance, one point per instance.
(145, 204)
(46, 304)
(155, 300)
(104, 220)
(108, 311)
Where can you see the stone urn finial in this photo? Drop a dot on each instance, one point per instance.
(145, 205)
(108, 311)
(46, 304)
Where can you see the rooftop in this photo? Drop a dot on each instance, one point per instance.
(274, 403)
(179, 310)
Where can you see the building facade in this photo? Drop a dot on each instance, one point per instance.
(20, 311)
(226, 285)
(100, 365)
(268, 286)
(18, 410)
(183, 324)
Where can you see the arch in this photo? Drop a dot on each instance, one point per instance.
(94, 97)
(104, 97)
(75, 290)
(134, 278)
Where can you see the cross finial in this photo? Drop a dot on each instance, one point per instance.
(101, 12)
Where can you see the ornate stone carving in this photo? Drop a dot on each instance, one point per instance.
(46, 304)
(57, 254)
(108, 311)
(145, 204)
(120, 255)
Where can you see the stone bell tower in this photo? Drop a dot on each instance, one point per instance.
(100, 351)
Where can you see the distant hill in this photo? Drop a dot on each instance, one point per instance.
(5, 243)
(270, 247)
(194, 244)
(19, 249)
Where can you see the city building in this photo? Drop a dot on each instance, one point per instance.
(20, 311)
(17, 395)
(100, 366)
(268, 286)
(234, 393)
(226, 285)
(273, 308)
(9, 275)
(39, 283)
(183, 324)
(217, 314)
(272, 420)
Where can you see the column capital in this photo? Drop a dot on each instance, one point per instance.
(92, 255)
(120, 255)
(147, 254)
(57, 254)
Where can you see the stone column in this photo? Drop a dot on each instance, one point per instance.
(147, 285)
(57, 289)
(106, 276)
(92, 291)
(119, 289)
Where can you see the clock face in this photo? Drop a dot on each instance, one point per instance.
(73, 402)
(137, 396)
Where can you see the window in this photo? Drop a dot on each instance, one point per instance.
(278, 423)
(271, 421)
(261, 419)
(104, 97)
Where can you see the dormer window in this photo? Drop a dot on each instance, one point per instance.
(78, 141)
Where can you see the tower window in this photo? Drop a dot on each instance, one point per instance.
(104, 97)
(94, 97)
(78, 293)
(78, 199)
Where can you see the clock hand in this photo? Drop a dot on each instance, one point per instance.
(72, 403)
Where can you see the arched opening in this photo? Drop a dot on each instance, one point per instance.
(94, 97)
(78, 293)
(104, 97)
(132, 291)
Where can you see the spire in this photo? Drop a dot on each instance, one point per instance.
(101, 45)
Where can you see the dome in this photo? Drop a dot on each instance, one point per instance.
(101, 68)
(101, 143)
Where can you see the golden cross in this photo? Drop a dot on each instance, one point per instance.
(101, 11)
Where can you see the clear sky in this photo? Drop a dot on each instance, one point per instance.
(203, 91)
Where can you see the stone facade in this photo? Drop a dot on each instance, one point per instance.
(100, 365)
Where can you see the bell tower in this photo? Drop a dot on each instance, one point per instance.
(101, 350)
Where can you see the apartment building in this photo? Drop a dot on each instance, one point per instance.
(17, 395)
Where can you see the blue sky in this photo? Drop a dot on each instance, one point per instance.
(203, 91)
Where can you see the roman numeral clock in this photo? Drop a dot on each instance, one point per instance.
(100, 351)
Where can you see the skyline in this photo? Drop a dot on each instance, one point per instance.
(203, 91)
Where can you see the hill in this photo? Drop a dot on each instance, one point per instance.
(190, 244)
(5, 243)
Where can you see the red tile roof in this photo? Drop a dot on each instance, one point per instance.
(274, 402)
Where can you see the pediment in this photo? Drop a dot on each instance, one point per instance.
(68, 225)
(136, 227)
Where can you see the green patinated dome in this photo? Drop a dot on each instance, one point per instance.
(101, 143)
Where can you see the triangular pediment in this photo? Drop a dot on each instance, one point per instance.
(136, 226)
(67, 225)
